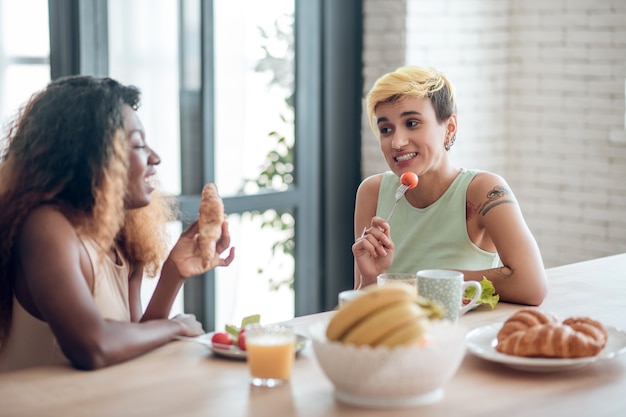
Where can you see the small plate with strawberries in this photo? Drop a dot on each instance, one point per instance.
(234, 351)
(231, 343)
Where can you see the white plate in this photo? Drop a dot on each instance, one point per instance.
(233, 351)
(482, 341)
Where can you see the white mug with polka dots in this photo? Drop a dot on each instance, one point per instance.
(447, 287)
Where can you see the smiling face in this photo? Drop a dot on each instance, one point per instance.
(411, 138)
(142, 162)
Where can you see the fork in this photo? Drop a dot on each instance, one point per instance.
(399, 193)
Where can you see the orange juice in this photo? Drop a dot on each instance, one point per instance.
(271, 352)
(271, 361)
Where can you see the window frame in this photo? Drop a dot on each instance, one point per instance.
(328, 118)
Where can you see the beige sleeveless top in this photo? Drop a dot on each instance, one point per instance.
(32, 343)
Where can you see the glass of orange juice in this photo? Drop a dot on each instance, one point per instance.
(270, 354)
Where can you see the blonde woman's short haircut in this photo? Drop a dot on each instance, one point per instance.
(412, 82)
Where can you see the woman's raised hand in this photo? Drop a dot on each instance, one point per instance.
(187, 257)
(373, 251)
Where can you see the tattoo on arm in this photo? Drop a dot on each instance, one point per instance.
(497, 203)
(494, 198)
(470, 210)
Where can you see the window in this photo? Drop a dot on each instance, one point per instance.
(150, 62)
(254, 138)
(24, 52)
(199, 65)
(253, 123)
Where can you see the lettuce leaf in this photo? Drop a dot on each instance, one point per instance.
(233, 330)
(253, 319)
(488, 295)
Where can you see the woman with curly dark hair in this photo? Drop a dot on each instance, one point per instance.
(81, 224)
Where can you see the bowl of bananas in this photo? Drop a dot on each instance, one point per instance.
(387, 349)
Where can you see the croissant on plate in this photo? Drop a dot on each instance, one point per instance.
(533, 333)
(210, 219)
(524, 319)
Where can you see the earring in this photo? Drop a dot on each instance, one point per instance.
(449, 143)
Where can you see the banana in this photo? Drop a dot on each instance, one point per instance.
(372, 299)
(404, 335)
(383, 321)
(434, 308)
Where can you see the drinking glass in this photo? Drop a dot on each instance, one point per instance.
(270, 354)
(398, 278)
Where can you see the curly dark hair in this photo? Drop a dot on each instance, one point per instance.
(67, 147)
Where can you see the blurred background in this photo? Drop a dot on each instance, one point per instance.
(266, 100)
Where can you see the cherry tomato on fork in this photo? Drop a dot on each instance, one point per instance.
(409, 179)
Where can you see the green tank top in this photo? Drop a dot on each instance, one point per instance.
(434, 237)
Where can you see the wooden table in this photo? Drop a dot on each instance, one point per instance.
(185, 379)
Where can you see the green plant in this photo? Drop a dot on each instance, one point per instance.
(277, 169)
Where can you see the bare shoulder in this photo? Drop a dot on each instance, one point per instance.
(366, 202)
(487, 191)
(44, 221)
(486, 184)
(46, 230)
(367, 195)
(47, 245)
(370, 185)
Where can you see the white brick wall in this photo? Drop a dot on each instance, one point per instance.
(384, 45)
(540, 88)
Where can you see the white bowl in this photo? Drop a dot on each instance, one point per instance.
(384, 377)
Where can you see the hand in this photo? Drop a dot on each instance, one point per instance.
(373, 251)
(186, 253)
(190, 326)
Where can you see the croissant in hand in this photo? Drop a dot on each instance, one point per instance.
(533, 333)
(210, 219)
